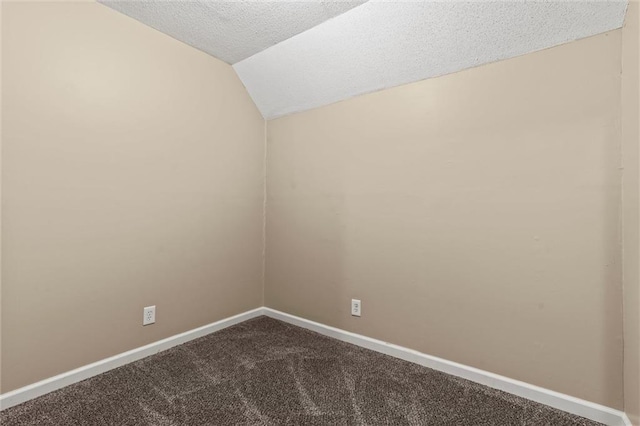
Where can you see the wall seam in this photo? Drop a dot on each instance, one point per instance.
(622, 207)
(264, 213)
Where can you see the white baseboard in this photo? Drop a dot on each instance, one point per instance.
(567, 403)
(563, 402)
(51, 384)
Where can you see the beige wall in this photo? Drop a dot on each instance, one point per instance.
(631, 210)
(476, 215)
(0, 197)
(132, 175)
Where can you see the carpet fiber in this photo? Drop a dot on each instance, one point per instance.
(266, 372)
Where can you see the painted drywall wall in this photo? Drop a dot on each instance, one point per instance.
(476, 215)
(631, 211)
(132, 176)
(0, 203)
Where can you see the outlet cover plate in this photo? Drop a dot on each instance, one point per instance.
(149, 315)
(356, 307)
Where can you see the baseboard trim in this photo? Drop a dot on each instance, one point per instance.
(51, 384)
(626, 420)
(570, 404)
(567, 403)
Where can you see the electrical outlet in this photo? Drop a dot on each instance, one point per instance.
(356, 307)
(149, 315)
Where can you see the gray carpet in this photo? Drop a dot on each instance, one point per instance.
(266, 372)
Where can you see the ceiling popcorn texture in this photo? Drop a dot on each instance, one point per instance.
(231, 30)
(385, 44)
(297, 55)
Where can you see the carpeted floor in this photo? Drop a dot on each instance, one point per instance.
(266, 372)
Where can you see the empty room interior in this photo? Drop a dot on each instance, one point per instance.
(262, 212)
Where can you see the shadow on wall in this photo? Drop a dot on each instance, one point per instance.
(306, 234)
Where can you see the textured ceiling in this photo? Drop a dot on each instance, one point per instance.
(297, 55)
(384, 44)
(231, 30)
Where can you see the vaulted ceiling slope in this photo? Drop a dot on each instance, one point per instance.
(231, 30)
(297, 55)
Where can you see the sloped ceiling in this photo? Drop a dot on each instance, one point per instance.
(294, 56)
(231, 30)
